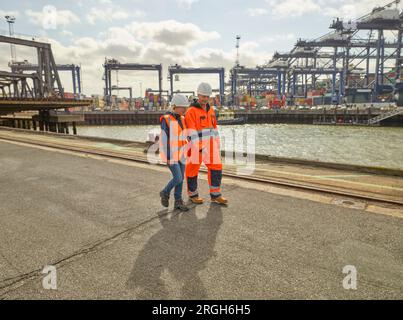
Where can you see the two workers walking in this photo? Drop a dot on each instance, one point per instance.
(189, 137)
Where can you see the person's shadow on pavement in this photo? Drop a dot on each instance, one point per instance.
(182, 247)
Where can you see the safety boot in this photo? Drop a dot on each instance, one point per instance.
(164, 199)
(180, 205)
(197, 200)
(220, 200)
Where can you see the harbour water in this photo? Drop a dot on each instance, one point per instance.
(371, 146)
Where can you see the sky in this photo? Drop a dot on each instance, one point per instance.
(191, 33)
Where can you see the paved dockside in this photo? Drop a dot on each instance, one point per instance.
(100, 223)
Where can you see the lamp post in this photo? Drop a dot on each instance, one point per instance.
(11, 20)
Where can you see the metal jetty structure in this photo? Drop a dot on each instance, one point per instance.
(40, 90)
(74, 69)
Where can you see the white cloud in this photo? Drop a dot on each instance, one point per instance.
(62, 17)
(171, 32)
(166, 42)
(249, 53)
(66, 33)
(255, 12)
(349, 9)
(121, 44)
(186, 4)
(292, 8)
(167, 55)
(111, 13)
(214, 58)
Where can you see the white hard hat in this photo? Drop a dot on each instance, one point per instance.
(204, 89)
(179, 100)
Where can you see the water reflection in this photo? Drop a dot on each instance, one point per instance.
(381, 146)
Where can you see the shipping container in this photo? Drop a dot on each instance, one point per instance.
(69, 95)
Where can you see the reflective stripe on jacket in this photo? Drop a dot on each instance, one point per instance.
(201, 124)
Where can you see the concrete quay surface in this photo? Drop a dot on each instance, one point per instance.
(100, 223)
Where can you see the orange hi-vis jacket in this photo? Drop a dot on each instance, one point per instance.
(172, 142)
(204, 148)
(202, 126)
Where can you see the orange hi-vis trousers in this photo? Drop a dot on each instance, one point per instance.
(210, 156)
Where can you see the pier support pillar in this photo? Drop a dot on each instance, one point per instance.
(74, 128)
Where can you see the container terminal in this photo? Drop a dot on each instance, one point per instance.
(350, 75)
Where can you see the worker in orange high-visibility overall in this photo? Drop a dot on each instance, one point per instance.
(201, 123)
(173, 141)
